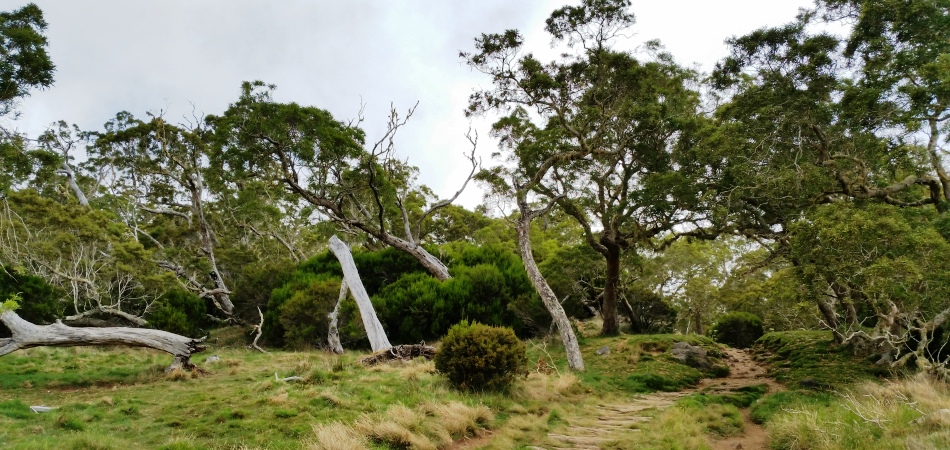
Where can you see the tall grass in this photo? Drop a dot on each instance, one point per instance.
(912, 413)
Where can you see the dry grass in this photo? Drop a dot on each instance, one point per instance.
(336, 436)
(912, 413)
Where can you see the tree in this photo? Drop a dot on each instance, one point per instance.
(816, 123)
(324, 162)
(24, 63)
(158, 172)
(608, 138)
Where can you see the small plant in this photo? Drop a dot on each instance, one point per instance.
(476, 357)
(737, 329)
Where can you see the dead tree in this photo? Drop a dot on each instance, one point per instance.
(27, 335)
(374, 329)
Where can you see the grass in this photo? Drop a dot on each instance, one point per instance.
(910, 413)
(117, 398)
(637, 363)
(838, 400)
(811, 360)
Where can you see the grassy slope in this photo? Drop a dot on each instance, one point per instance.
(838, 401)
(121, 398)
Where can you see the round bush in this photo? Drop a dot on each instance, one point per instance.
(737, 329)
(478, 357)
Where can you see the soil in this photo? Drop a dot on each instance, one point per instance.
(589, 432)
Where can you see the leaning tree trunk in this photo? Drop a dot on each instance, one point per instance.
(574, 358)
(27, 335)
(374, 330)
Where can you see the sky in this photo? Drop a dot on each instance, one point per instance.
(187, 58)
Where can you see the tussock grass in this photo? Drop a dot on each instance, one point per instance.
(911, 413)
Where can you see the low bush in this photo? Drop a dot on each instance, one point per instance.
(737, 329)
(180, 312)
(480, 357)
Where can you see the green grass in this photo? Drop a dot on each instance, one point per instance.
(811, 360)
(638, 363)
(117, 398)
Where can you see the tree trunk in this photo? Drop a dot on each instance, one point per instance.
(27, 335)
(333, 337)
(374, 330)
(432, 264)
(574, 358)
(831, 318)
(608, 310)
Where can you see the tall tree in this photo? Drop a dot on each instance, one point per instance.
(24, 65)
(608, 136)
(325, 162)
(158, 171)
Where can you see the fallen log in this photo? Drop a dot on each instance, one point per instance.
(28, 335)
(400, 352)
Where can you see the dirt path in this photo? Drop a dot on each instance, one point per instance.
(744, 371)
(588, 433)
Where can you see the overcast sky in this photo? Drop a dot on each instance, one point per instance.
(168, 55)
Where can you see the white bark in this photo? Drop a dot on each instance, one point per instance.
(333, 336)
(67, 171)
(574, 358)
(27, 335)
(374, 329)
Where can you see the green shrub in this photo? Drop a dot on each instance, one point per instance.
(304, 315)
(476, 357)
(180, 312)
(39, 301)
(737, 329)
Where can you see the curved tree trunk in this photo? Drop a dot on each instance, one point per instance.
(574, 358)
(374, 330)
(27, 335)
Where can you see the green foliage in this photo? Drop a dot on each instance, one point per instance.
(647, 311)
(812, 360)
(737, 329)
(24, 63)
(479, 357)
(304, 314)
(36, 300)
(180, 312)
(489, 285)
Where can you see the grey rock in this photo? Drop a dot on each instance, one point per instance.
(603, 351)
(691, 355)
(212, 358)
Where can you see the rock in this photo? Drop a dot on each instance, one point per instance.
(212, 358)
(603, 351)
(691, 355)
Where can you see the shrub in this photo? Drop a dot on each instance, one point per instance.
(737, 329)
(180, 312)
(304, 315)
(38, 299)
(477, 357)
